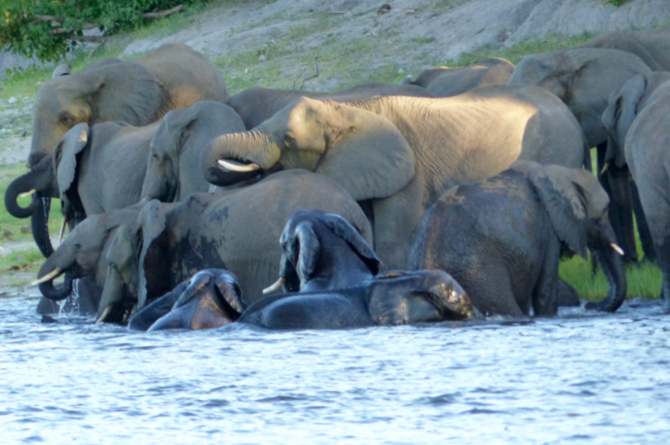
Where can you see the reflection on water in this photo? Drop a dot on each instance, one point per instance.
(576, 379)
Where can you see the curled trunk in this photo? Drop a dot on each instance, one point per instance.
(22, 184)
(57, 293)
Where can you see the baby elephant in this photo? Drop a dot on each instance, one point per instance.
(210, 299)
(394, 298)
(502, 238)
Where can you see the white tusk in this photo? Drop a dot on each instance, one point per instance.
(617, 249)
(276, 285)
(26, 194)
(605, 167)
(62, 231)
(238, 168)
(54, 274)
(104, 315)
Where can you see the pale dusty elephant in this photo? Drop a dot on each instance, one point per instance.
(446, 82)
(139, 92)
(502, 238)
(653, 47)
(396, 155)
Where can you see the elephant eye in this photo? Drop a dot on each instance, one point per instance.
(77, 246)
(288, 139)
(67, 121)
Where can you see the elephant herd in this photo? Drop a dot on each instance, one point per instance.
(451, 197)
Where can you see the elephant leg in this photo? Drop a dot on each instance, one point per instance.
(642, 225)
(567, 295)
(395, 219)
(46, 306)
(545, 293)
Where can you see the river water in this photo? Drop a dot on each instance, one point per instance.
(579, 379)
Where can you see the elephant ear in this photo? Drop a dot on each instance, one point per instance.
(571, 198)
(230, 291)
(65, 159)
(310, 247)
(366, 154)
(152, 222)
(124, 91)
(347, 232)
(619, 115)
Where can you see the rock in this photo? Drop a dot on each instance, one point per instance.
(262, 58)
(12, 100)
(24, 133)
(7, 234)
(25, 229)
(383, 9)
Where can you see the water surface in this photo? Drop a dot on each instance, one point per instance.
(580, 378)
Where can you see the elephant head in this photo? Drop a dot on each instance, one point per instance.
(583, 78)
(82, 253)
(131, 264)
(323, 251)
(361, 150)
(400, 297)
(123, 91)
(173, 166)
(577, 208)
(624, 106)
(211, 300)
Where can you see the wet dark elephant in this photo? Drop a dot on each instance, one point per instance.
(396, 155)
(258, 104)
(646, 154)
(173, 169)
(502, 238)
(391, 299)
(622, 109)
(236, 230)
(584, 78)
(322, 251)
(446, 82)
(210, 299)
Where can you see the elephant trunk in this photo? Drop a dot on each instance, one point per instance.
(22, 184)
(112, 306)
(608, 256)
(57, 293)
(39, 223)
(243, 156)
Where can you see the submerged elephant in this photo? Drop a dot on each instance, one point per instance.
(322, 251)
(647, 156)
(236, 230)
(502, 238)
(391, 299)
(139, 92)
(210, 299)
(584, 78)
(622, 109)
(446, 82)
(258, 104)
(173, 169)
(396, 155)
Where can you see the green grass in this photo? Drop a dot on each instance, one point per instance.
(29, 260)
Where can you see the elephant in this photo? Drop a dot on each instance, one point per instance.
(236, 230)
(622, 109)
(139, 92)
(93, 170)
(210, 299)
(584, 78)
(173, 168)
(322, 251)
(446, 82)
(257, 104)
(396, 155)
(502, 238)
(391, 299)
(653, 47)
(645, 153)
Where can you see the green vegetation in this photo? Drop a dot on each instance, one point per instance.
(29, 260)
